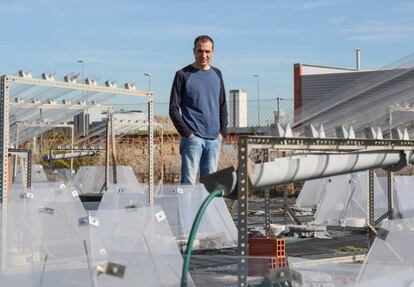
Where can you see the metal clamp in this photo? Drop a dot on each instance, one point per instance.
(382, 233)
(46, 210)
(131, 206)
(112, 269)
(285, 275)
(88, 220)
(26, 195)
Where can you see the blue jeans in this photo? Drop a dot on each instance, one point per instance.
(198, 153)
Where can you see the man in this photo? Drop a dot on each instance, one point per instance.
(199, 112)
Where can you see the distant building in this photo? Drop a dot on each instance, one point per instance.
(312, 83)
(94, 119)
(351, 97)
(237, 109)
(127, 121)
(88, 117)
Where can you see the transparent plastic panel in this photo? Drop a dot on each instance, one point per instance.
(333, 200)
(180, 204)
(311, 192)
(222, 221)
(315, 273)
(38, 174)
(216, 230)
(392, 255)
(90, 179)
(140, 240)
(404, 196)
(44, 243)
(222, 270)
(60, 174)
(17, 190)
(50, 193)
(400, 277)
(123, 200)
(345, 199)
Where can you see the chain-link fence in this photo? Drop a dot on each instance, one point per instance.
(130, 123)
(133, 144)
(256, 113)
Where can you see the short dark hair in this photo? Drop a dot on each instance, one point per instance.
(203, 38)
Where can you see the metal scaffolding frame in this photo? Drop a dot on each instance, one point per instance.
(40, 125)
(26, 157)
(8, 80)
(305, 145)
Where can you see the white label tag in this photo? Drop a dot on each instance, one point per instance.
(93, 221)
(88, 220)
(102, 251)
(180, 190)
(62, 186)
(75, 193)
(160, 216)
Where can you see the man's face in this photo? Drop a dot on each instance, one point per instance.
(203, 54)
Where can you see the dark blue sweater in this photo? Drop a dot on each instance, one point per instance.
(198, 103)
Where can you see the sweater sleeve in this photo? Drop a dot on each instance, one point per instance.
(223, 108)
(174, 109)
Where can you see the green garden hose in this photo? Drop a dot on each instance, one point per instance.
(218, 192)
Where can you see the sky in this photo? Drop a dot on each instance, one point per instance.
(122, 40)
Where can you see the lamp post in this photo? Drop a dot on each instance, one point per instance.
(258, 98)
(73, 127)
(150, 141)
(149, 81)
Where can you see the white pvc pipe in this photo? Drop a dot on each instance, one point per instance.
(311, 166)
(73, 154)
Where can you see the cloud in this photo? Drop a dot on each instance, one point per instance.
(380, 31)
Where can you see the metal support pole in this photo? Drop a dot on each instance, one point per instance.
(285, 200)
(4, 164)
(24, 168)
(162, 156)
(390, 183)
(105, 186)
(4, 138)
(267, 199)
(285, 206)
(370, 208)
(258, 101)
(113, 152)
(151, 149)
(243, 207)
(29, 169)
(72, 143)
(390, 122)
